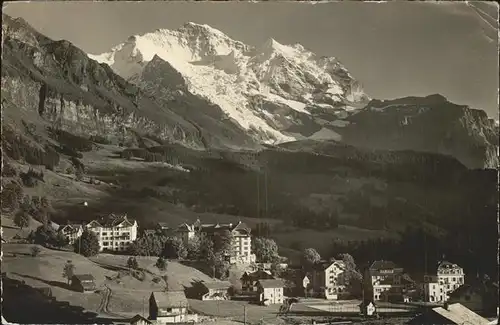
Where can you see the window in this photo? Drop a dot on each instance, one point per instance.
(453, 279)
(105, 243)
(169, 310)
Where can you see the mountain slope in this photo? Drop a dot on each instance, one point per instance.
(55, 84)
(266, 90)
(279, 93)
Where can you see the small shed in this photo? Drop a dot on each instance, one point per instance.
(215, 290)
(83, 282)
(169, 307)
(139, 320)
(368, 308)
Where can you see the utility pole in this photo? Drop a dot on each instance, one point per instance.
(245, 315)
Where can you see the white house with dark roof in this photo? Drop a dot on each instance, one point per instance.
(114, 232)
(385, 276)
(71, 231)
(215, 290)
(271, 291)
(448, 278)
(328, 279)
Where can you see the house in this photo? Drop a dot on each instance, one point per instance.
(241, 240)
(72, 232)
(170, 307)
(249, 279)
(185, 232)
(367, 308)
(328, 279)
(450, 314)
(437, 287)
(83, 282)
(385, 276)
(115, 233)
(270, 291)
(139, 320)
(480, 297)
(216, 290)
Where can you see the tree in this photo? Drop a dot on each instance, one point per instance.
(276, 268)
(161, 264)
(353, 278)
(265, 249)
(21, 219)
(174, 248)
(206, 248)
(132, 263)
(35, 250)
(220, 265)
(79, 173)
(193, 248)
(45, 235)
(68, 270)
(60, 240)
(88, 244)
(223, 242)
(310, 257)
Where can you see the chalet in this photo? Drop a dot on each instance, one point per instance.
(139, 320)
(216, 290)
(270, 291)
(83, 282)
(480, 297)
(250, 279)
(437, 287)
(385, 276)
(328, 279)
(115, 233)
(169, 307)
(71, 231)
(185, 232)
(454, 314)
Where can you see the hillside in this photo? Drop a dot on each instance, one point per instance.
(156, 149)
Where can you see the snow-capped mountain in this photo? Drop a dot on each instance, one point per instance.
(273, 91)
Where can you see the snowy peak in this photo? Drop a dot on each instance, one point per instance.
(233, 75)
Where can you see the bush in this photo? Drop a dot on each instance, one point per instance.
(161, 264)
(99, 139)
(31, 178)
(71, 141)
(88, 244)
(8, 170)
(35, 250)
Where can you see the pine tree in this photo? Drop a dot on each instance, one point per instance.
(88, 244)
(69, 270)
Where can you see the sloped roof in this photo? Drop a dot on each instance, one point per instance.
(217, 285)
(139, 317)
(185, 227)
(112, 220)
(459, 314)
(323, 265)
(84, 277)
(447, 265)
(167, 299)
(257, 275)
(271, 283)
(383, 265)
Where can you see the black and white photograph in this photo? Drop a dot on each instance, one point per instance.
(250, 162)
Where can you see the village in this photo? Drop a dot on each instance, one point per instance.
(248, 271)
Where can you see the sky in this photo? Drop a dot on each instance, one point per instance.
(394, 49)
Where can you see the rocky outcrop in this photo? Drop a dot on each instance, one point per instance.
(426, 124)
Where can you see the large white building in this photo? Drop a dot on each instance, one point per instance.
(449, 277)
(328, 279)
(115, 233)
(241, 251)
(386, 280)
